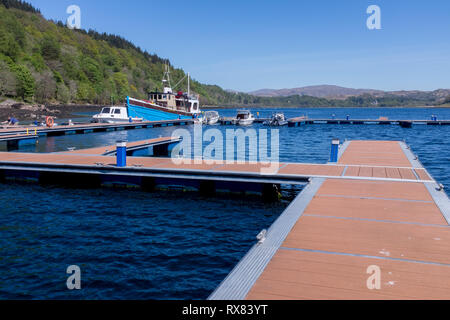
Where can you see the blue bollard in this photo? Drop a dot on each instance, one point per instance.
(334, 150)
(121, 152)
(348, 117)
(333, 116)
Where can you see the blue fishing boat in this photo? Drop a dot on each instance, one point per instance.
(165, 105)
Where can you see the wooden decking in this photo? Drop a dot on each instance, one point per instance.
(346, 226)
(110, 150)
(395, 168)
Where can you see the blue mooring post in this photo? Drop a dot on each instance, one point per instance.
(334, 150)
(348, 117)
(121, 154)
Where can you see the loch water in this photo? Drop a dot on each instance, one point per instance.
(131, 244)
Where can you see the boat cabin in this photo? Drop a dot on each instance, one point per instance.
(114, 112)
(179, 101)
(243, 114)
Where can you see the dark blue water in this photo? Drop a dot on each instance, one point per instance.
(138, 245)
(129, 245)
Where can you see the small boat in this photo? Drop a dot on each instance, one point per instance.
(211, 117)
(114, 114)
(278, 119)
(245, 118)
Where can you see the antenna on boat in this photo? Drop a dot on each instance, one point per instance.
(189, 84)
(166, 80)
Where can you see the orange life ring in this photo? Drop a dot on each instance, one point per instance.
(49, 121)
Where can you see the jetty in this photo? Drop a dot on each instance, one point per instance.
(345, 238)
(14, 141)
(298, 121)
(140, 172)
(83, 128)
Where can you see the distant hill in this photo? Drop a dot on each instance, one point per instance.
(336, 92)
(321, 91)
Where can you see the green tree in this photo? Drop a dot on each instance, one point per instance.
(25, 82)
(8, 81)
(50, 48)
(122, 85)
(63, 93)
(8, 45)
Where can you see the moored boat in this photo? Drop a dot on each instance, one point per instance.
(245, 118)
(211, 117)
(114, 114)
(277, 119)
(166, 105)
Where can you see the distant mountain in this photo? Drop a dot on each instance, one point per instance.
(321, 91)
(336, 92)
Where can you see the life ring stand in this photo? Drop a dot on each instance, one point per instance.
(49, 121)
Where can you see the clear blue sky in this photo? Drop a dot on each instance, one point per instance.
(248, 45)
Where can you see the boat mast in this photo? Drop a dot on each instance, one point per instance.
(166, 80)
(189, 84)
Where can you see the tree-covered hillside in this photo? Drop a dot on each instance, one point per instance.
(43, 61)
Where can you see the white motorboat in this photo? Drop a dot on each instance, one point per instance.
(278, 119)
(245, 118)
(114, 114)
(211, 117)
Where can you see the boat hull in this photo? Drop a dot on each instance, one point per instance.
(112, 120)
(212, 121)
(246, 122)
(148, 113)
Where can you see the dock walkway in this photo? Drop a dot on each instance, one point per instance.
(91, 127)
(96, 161)
(298, 121)
(337, 231)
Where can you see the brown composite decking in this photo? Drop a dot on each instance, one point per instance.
(352, 224)
(112, 148)
(401, 169)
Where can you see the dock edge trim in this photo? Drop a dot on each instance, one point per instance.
(439, 196)
(241, 279)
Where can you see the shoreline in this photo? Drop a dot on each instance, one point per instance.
(324, 107)
(27, 112)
